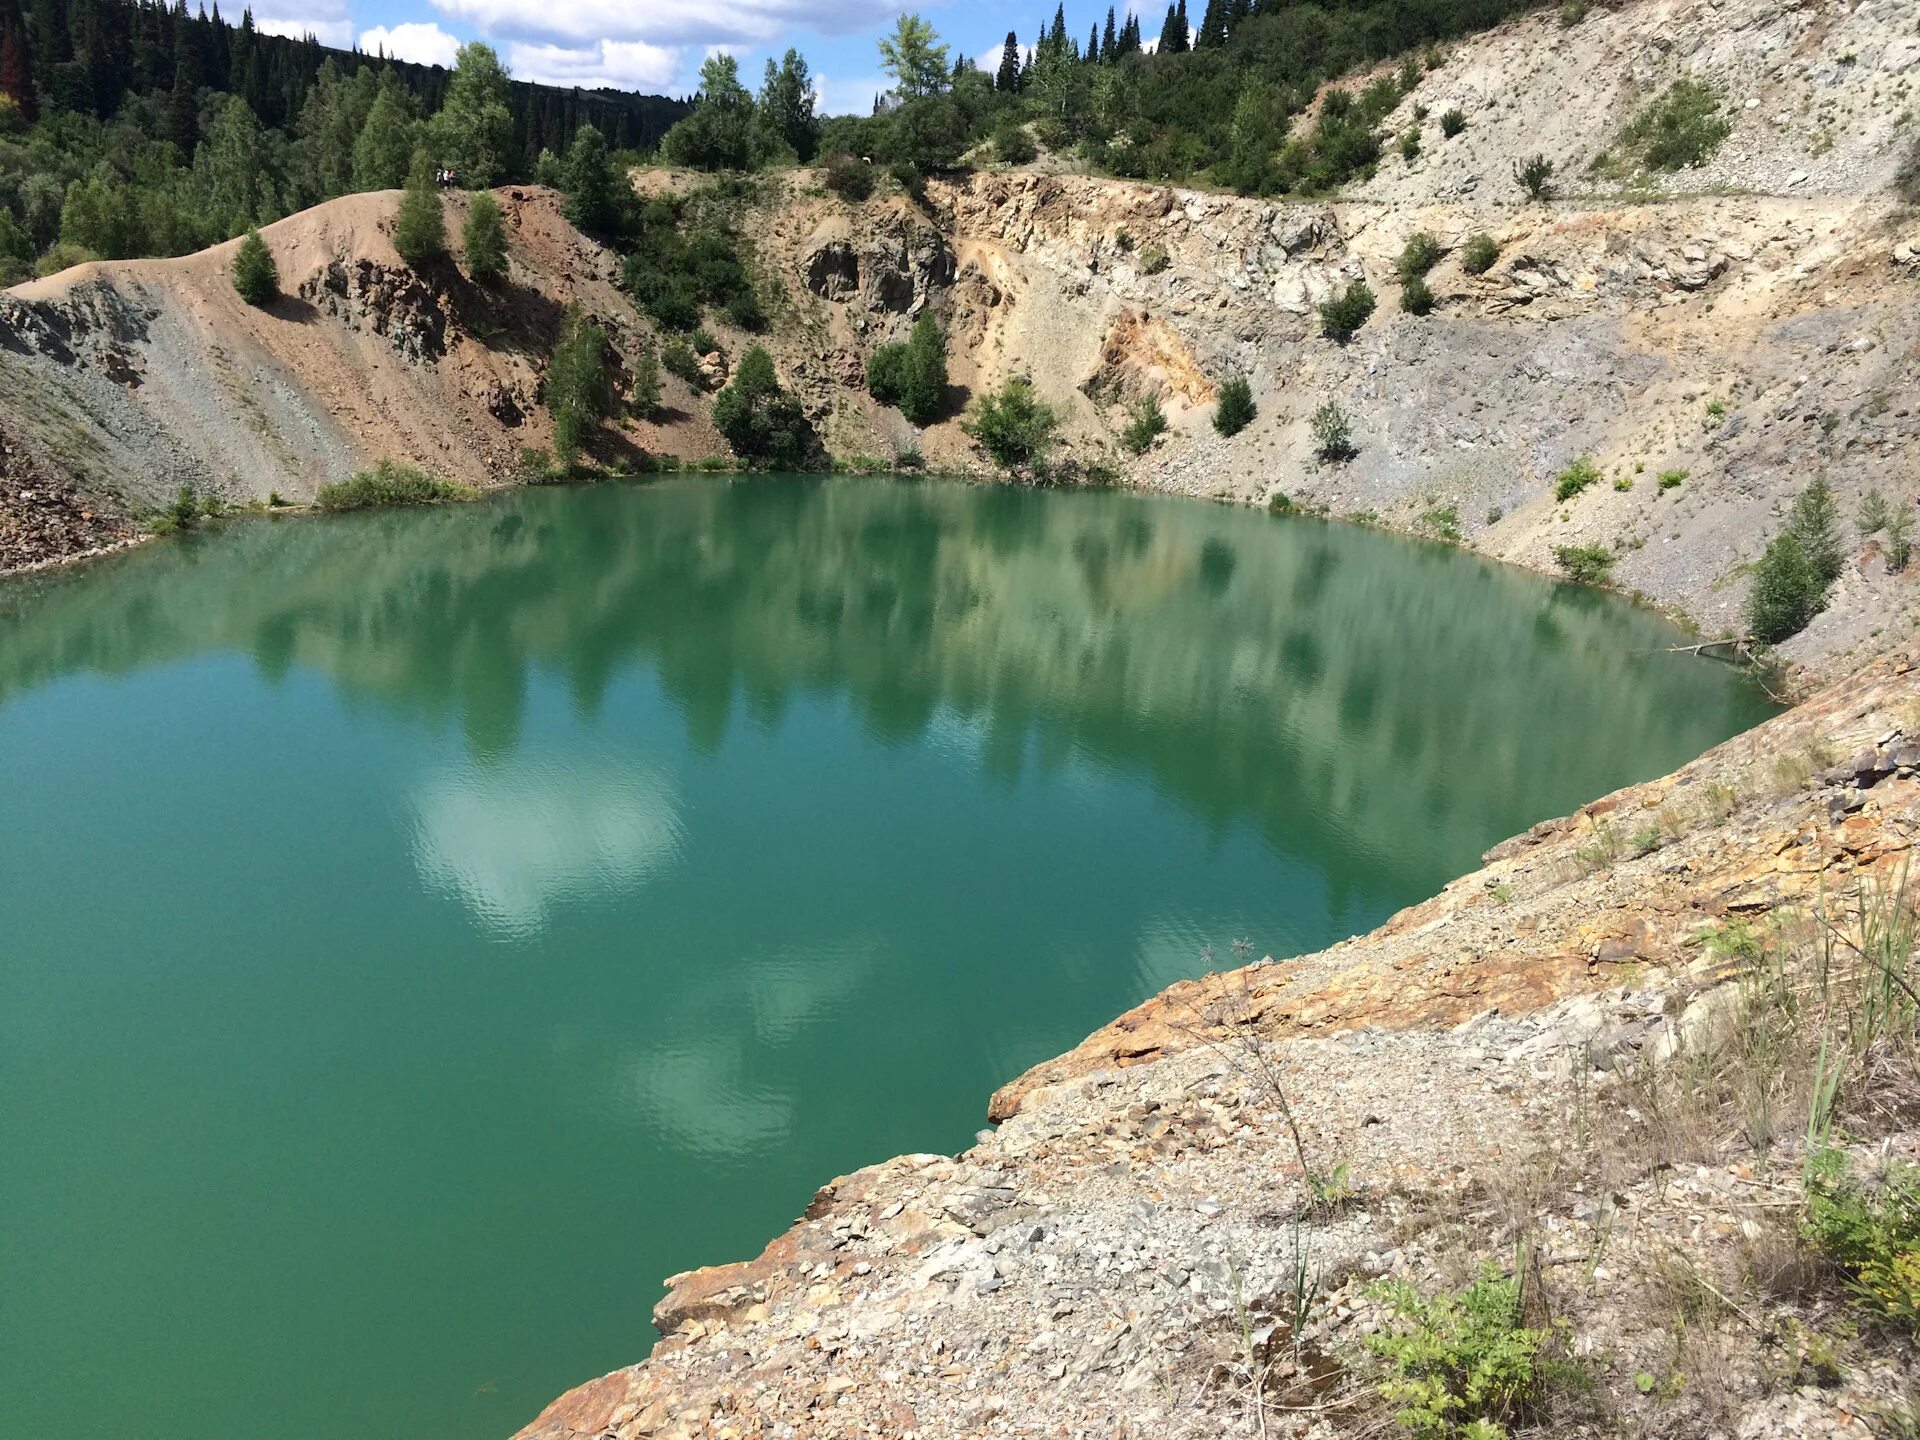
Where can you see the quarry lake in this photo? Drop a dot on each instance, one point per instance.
(422, 932)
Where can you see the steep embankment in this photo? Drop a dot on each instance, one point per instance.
(132, 378)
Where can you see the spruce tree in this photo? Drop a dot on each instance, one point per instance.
(576, 389)
(420, 227)
(385, 146)
(1109, 38)
(1213, 26)
(1815, 522)
(590, 183)
(1786, 593)
(473, 133)
(1007, 79)
(483, 239)
(255, 275)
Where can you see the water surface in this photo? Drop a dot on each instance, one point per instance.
(420, 933)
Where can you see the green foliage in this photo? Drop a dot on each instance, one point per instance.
(1535, 175)
(786, 105)
(1332, 434)
(912, 374)
(483, 239)
(1013, 145)
(391, 483)
(848, 176)
(1872, 1230)
(761, 421)
(1342, 315)
(1153, 259)
(1786, 592)
(1420, 254)
(255, 275)
(1899, 538)
(420, 227)
(1587, 564)
(473, 133)
(1575, 478)
(1410, 143)
(915, 58)
(1679, 130)
(1443, 523)
(1874, 513)
(1012, 425)
(1416, 297)
(1461, 1365)
(1672, 479)
(1814, 521)
(1146, 423)
(594, 191)
(1235, 409)
(576, 389)
(678, 358)
(1478, 255)
(189, 507)
(1453, 121)
(684, 255)
(645, 372)
(719, 134)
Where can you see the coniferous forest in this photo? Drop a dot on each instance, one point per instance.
(147, 129)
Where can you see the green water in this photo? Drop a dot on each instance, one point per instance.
(420, 933)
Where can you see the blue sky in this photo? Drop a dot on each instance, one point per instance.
(657, 45)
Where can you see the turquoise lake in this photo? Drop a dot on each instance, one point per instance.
(422, 932)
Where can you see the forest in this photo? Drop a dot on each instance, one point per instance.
(146, 129)
(140, 129)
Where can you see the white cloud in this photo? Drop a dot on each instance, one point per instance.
(422, 44)
(622, 64)
(335, 32)
(670, 22)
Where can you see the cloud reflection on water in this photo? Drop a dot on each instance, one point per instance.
(513, 840)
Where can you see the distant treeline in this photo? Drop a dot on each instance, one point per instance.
(115, 104)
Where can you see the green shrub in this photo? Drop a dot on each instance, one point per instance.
(1588, 564)
(678, 358)
(576, 389)
(1332, 434)
(1416, 296)
(703, 342)
(483, 239)
(912, 374)
(1453, 121)
(1874, 513)
(1012, 424)
(1153, 260)
(744, 311)
(1235, 410)
(1535, 175)
(848, 176)
(1575, 478)
(1410, 143)
(1146, 423)
(1477, 256)
(1443, 523)
(1012, 145)
(255, 275)
(1679, 130)
(1420, 254)
(391, 483)
(1342, 315)
(1672, 479)
(1814, 521)
(1786, 592)
(1458, 1365)
(645, 375)
(1572, 12)
(759, 419)
(1899, 538)
(420, 227)
(1871, 1231)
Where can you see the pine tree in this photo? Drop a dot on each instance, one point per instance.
(576, 389)
(420, 227)
(384, 148)
(1093, 46)
(1183, 33)
(483, 239)
(1109, 38)
(1815, 522)
(590, 184)
(1007, 79)
(1130, 36)
(1213, 26)
(255, 275)
(473, 133)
